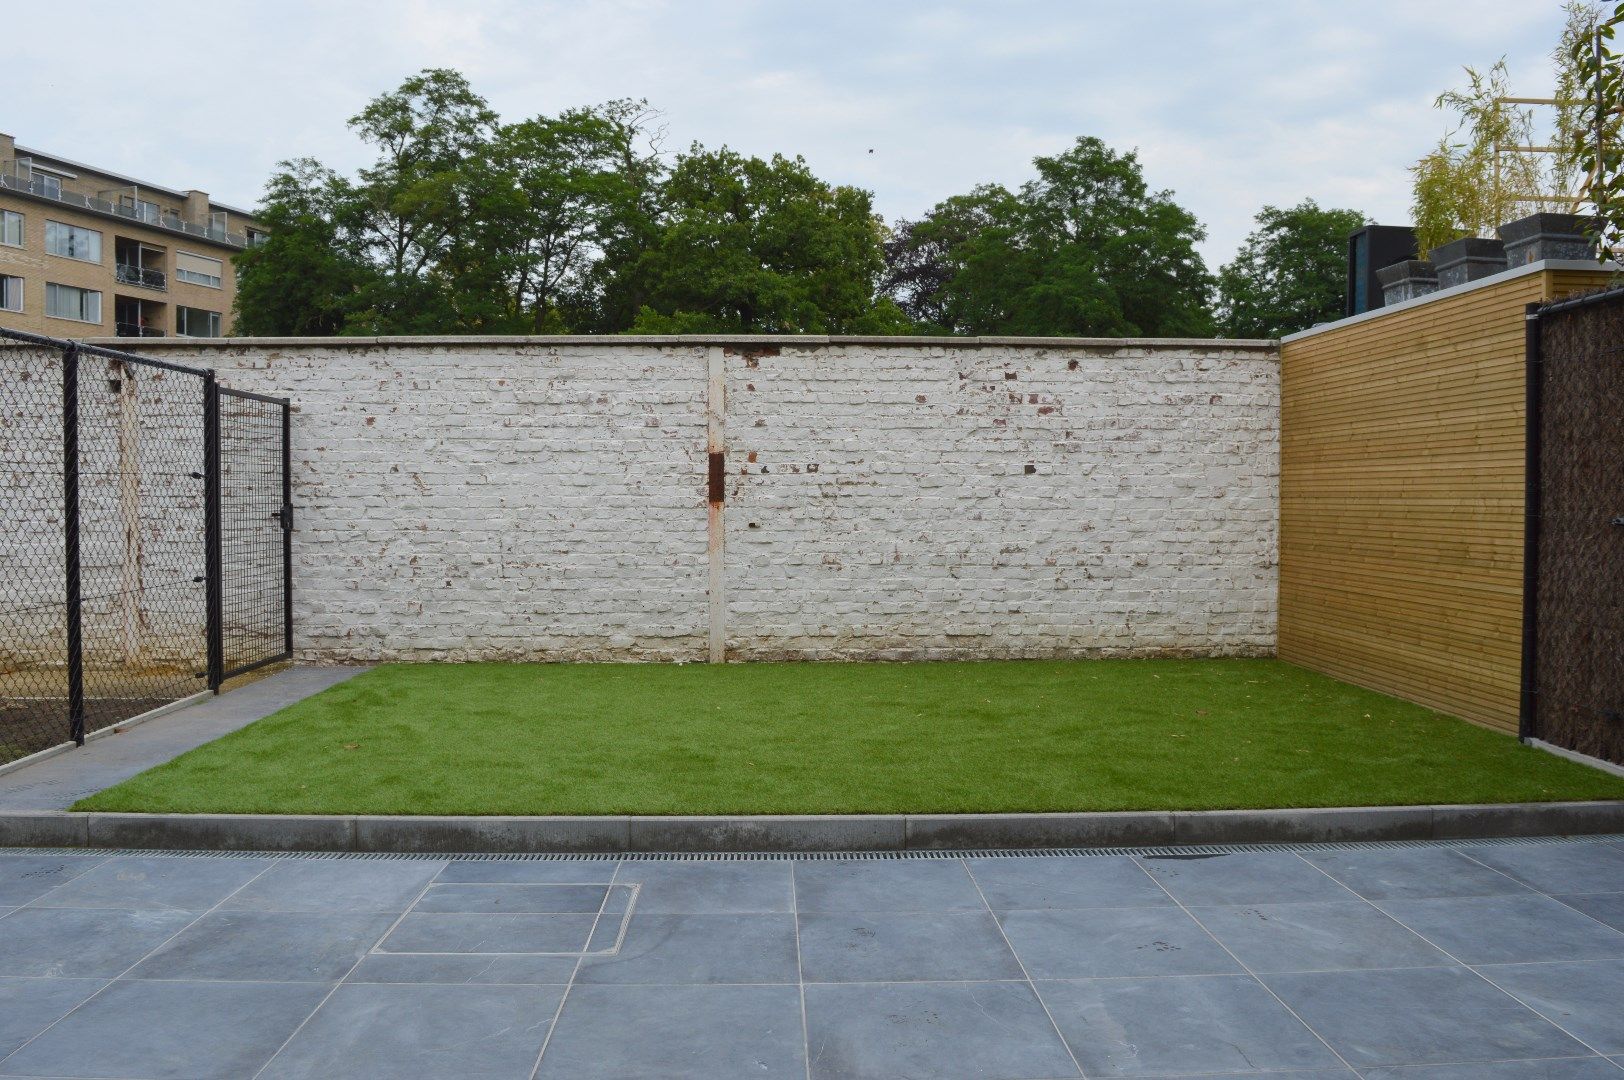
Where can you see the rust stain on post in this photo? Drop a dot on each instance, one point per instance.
(718, 477)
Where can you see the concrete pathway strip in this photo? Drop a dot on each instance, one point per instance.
(57, 782)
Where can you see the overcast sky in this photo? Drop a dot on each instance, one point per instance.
(1231, 105)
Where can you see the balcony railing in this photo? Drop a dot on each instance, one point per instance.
(128, 329)
(169, 222)
(128, 274)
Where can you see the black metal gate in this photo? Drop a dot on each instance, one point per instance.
(123, 481)
(255, 524)
(1573, 649)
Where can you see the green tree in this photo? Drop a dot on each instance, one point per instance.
(1472, 182)
(1598, 81)
(1085, 248)
(746, 245)
(1289, 274)
(433, 135)
(556, 192)
(301, 280)
(1467, 186)
(922, 257)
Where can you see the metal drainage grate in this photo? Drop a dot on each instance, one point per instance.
(1171, 850)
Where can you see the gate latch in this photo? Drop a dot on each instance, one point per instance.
(284, 517)
(1618, 520)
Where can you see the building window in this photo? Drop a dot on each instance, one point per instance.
(195, 322)
(198, 269)
(67, 302)
(72, 241)
(256, 237)
(11, 293)
(49, 186)
(11, 228)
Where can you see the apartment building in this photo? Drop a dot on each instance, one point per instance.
(89, 253)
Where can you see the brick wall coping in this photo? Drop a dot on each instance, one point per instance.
(690, 340)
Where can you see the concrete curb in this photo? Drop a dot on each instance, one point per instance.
(879, 832)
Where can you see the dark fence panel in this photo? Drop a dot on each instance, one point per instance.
(109, 555)
(1578, 585)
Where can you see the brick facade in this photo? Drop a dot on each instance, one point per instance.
(547, 498)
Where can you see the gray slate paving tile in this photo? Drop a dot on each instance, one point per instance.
(1254, 878)
(1087, 943)
(1585, 999)
(886, 946)
(1153, 1027)
(554, 873)
(696, 888)
(1507, 929)
(920, 885)
(700, 949)
(1412, 873)
(1418, 1017)
(1066, 882)
(266, 946)
(678, 1033)
(171, 1029)
(1317, 937)
(533, 899)
(945, 1031)
(337, 885)
(437, 933)
(1592, 1068)
(28, 877)
(1313, 1074)
(471, 970)
(382, 1032)
(1603, 907)
(29, 1006)
(1558, 868)
(76, 942)
(155, 883)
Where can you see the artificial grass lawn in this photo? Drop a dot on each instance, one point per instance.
(847, 738)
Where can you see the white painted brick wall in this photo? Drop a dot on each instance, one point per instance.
(547, 499)
(918, 502)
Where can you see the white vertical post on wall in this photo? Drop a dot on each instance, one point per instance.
(129, 510)
(716, 466)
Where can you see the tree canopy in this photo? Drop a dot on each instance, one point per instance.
(582, 222)
(1289, 274)
(1084, 248)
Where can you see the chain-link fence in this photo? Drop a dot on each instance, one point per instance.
(118, 487)
(1574, 652)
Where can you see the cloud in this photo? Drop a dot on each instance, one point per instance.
(1231, 105)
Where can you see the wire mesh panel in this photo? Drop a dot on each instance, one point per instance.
(1579, 701)
(255, 522)
(141, 536)
(144, 517)
(33, 652)
(102, 590)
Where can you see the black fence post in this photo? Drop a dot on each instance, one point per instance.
(1534, 370)
(287, 527)
(70, 548)
(213, 590)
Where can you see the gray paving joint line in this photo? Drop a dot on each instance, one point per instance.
(916, 832)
